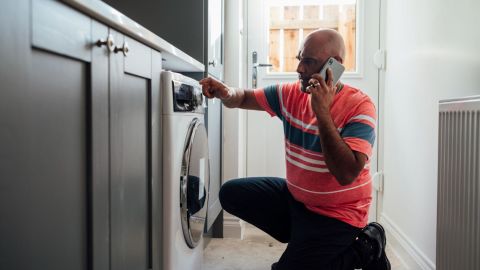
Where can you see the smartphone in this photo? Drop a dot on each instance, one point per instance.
(337, 69)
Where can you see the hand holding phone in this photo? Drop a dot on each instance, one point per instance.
(337, 70)
(322, 97)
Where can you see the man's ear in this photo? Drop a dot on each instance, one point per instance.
(339, 59)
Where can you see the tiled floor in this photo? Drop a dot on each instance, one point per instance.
(256, 252)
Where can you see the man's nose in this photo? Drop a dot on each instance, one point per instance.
(300, 68)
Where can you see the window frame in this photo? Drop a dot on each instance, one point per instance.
(359, 46)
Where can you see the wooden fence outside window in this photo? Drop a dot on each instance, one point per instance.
(290, 24)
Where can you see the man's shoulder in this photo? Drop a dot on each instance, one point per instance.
(284, 87)
(289, 86)
(354, 95)
(353, 91)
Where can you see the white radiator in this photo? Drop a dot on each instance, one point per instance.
(458, 206)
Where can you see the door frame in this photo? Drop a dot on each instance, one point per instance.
(362, 61)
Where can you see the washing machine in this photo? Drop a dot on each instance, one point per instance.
(185, 172)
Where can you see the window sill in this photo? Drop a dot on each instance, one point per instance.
(293, 76)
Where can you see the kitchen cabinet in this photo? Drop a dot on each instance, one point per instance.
(194, 26)
(197, 28)
(179, 22)
(79, 129)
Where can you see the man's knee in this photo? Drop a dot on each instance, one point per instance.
(227, 194)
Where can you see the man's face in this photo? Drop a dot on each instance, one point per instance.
(310, 61)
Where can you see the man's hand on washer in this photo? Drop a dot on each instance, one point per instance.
(230, 97)
(212, 88)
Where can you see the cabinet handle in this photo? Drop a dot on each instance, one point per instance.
(212, 63)
(123, 49)
(109, 42)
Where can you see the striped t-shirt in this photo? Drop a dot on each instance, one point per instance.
(308, 178)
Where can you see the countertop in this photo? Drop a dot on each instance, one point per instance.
(173, 58)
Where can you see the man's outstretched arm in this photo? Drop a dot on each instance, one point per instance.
(230, 97)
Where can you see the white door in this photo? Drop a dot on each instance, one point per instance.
(275, 29)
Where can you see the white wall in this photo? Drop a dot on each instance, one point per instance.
(234, 130)
(233, 119)
(433, 53)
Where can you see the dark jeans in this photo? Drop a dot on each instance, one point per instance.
(314, 241)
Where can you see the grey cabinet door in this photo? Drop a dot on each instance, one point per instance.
(54, 158)
(46, 137)
(215, 41)
(131, 142)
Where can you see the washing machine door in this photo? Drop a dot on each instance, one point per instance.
(194, 183)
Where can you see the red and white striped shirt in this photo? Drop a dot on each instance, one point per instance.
(308, 177)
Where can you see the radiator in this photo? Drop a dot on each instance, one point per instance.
(458, 198)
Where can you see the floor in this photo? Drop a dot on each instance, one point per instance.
(256, 252)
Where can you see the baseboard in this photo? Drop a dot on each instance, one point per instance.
(233, 227)
(404, 248)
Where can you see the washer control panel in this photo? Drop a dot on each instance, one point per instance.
(187, 97)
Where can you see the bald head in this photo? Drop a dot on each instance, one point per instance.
(317, 47)
(327, 42)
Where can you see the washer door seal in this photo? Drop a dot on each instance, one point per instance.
(194, 182)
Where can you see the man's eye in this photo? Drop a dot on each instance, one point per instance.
(308, 61)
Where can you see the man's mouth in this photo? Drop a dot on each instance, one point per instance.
(303, 83)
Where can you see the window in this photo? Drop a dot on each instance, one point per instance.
(290, 22)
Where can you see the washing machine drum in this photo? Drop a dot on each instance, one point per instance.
(194, 183)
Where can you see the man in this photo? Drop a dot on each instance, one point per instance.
(321, 208)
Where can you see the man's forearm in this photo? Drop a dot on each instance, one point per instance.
(241, 98)
(340, 159)
(235, 98)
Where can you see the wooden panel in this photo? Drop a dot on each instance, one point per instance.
(347, 28)
(311, 12)
(331, 12)
(291, 12)
(332, 18)
(275, 14)
(60, 29)
(274, 50)
(298, 24)
(139, 58)
(291, 45)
